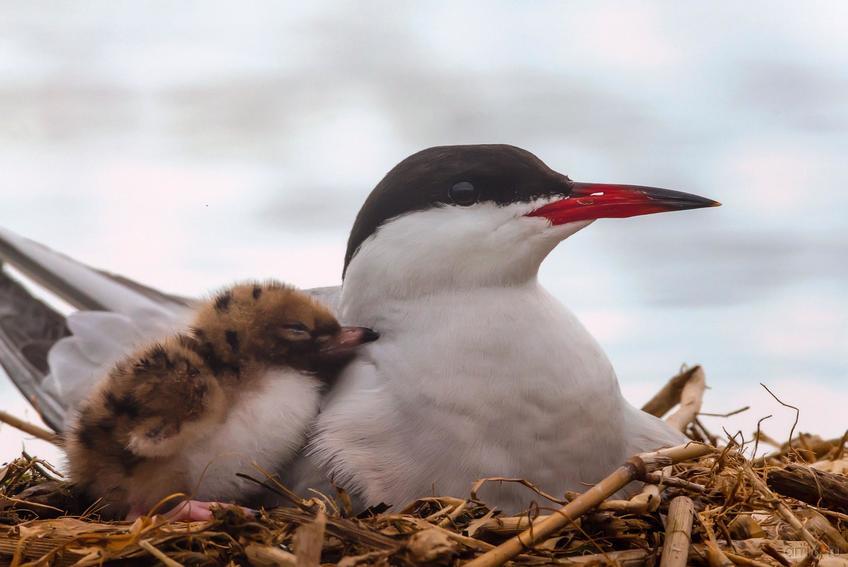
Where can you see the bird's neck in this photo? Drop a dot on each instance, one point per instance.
(373, 287)
(379, 302)
(444, 250)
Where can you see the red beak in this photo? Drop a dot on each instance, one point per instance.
(601, 200)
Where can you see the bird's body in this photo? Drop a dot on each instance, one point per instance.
(474, 401)
(188, 412)
(479, 371)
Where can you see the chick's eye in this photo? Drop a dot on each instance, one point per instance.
(464, 194)
(296, 332)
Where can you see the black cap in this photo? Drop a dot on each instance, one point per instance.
(455, 175)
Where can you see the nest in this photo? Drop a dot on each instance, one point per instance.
(702, 503)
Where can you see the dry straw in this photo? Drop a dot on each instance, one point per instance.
(703, 503)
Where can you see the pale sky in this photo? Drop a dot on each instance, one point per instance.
(189, 147)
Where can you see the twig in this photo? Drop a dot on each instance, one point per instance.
(715, 555)
(309, 540)
(691, 398)
(728, 414)
(669, 395)
(456, 513)
(678, 533)
(760, 435)
(819, 488)
(745, 561)
(781, 508)
(784, 404)
(634, 469)
(648, 499)
(673, 481)
(475, 488)
(31, 428)
(4, 498)
(698, 425)
(158, 554)
(769, 550)
(840, 449)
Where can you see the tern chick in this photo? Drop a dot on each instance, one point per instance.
(187, 413)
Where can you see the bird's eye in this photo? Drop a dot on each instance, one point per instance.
(295, 332)
(464, 194)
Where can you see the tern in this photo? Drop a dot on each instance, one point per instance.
(479, 371)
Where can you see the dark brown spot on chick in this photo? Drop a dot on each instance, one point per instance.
(128, 460)
(123, 405)
(213, 361)
(222, 302)
(187, 341)
(160, 357)
(232, 340)
(257, 292)
(86, 437)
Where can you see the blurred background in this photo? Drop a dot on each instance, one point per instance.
(189, 145)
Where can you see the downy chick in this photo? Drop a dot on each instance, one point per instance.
(189, 412)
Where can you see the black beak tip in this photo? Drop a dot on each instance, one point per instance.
(683, 201)
(369, 335)
(701, 203)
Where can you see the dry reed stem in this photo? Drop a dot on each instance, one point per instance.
(678, 532)
(628, 472)
(309, 540)
(715, 555)
(747, 520)
(674, 482)
(31, 428)
(840, 449)
(266, 556)
(647, 500)
(772, 552)
(745, 561)
(821, 527)
(691, 399)
(158, 554)
(475, 488)
(810, 485)
(772, 500)
(669, 396)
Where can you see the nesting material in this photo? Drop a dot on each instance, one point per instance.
(703, 504)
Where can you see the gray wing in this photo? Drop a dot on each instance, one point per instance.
(55, 360)
(28, 328)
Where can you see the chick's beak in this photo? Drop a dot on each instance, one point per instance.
(347, 339)
(589, 201)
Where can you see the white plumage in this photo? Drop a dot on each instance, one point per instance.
(479, 371)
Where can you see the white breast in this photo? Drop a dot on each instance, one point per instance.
(266, 426)
(462, 385)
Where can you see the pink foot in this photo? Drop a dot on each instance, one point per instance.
(199, 511)
(189, 511)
